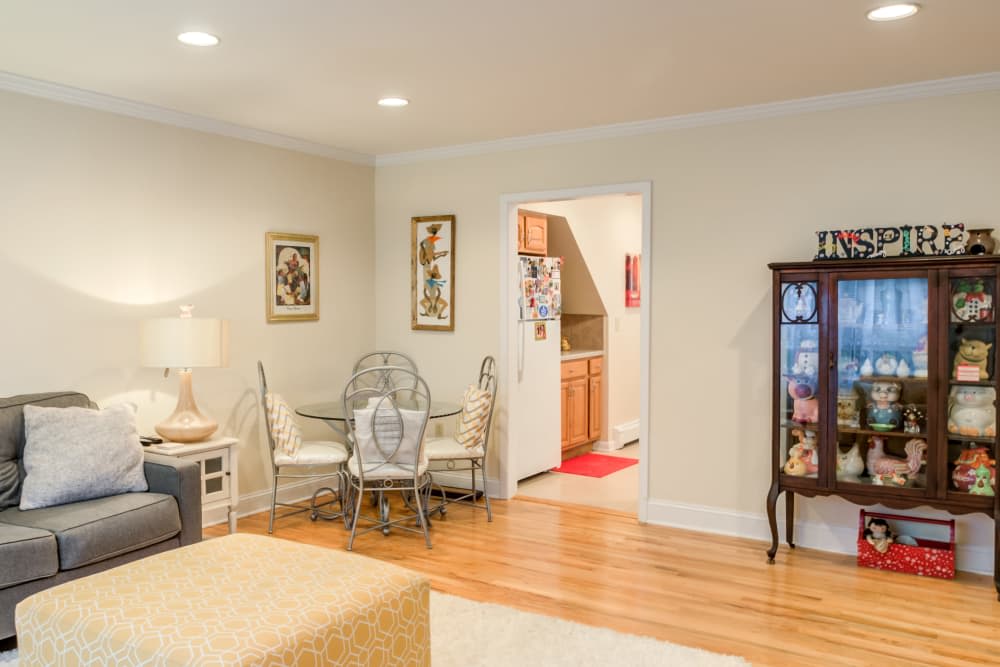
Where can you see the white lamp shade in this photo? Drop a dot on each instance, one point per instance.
(177, 342)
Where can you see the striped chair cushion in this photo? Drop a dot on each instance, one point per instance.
(284, 430)
(472, 421)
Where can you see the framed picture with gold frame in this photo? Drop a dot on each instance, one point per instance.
(432, 273)
(292, 271)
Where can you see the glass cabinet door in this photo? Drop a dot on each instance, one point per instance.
(971, 397)
(798, 404)
(882, 368)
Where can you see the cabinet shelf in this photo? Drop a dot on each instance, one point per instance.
(890, 378)
(973, 383)
(891, 434)
(985, 439)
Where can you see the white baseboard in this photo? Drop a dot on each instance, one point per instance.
(293, 492)
(260, 501)
(836, 539)
(605, 446)
(622, 434)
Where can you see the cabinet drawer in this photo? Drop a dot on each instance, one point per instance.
(574, 369)
(595, 365)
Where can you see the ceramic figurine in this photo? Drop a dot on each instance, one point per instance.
(881, 465)
(968, 465)
(848, 369)
(973, 352)
(807, 359)
(920, 358)
(803, 456)
(866, 368)
(971, 411)
(912, 416)
(980, 242)
(884, 409)
(983, 485)
(970, 302)
(847, 410)
(805, 405)
(886, 364)
(879, 535)
(849, 463)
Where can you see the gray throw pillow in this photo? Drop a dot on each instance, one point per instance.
(73, 454)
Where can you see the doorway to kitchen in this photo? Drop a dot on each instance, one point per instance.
(576, 380)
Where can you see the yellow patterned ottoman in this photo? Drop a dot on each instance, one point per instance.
(235, 600)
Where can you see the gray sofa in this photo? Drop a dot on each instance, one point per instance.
(44, 547)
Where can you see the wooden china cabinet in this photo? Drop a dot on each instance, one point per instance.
(884, 385)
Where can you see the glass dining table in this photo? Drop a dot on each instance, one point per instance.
(332, 412)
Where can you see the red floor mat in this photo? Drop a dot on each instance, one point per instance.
(594, 465)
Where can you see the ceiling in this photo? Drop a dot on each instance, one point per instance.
(476, 70)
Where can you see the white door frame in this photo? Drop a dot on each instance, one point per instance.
(509, 204)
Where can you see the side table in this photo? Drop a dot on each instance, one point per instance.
(218, 459)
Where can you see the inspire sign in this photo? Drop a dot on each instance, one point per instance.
(903, 241)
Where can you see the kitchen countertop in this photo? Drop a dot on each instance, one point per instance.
(581, 354)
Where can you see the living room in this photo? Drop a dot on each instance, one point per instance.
(140, 174)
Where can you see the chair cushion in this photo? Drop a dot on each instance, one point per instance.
(12, 437)
(94, 530)
(445, 449)
(284, 431)
(26, 554)
(73, 454)
(375, 471)
(314, 453)
(474, 418)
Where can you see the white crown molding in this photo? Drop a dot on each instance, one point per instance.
(84, 98)
(974, 83)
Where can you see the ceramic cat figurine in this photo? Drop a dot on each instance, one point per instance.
(971, 411)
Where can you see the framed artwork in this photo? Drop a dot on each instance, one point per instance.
(292, 270)
(632, 289)
(432, 273)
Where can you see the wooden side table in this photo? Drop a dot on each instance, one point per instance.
(218, 459)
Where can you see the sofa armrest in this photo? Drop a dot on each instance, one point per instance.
(182, 480)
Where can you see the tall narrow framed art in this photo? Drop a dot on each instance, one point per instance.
(432, 273)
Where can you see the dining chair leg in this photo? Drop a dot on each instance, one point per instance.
(357, 514)
(420, 516)
(486, 496)
(274, 503)
(345, 498)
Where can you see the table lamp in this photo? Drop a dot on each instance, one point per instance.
(185, 343)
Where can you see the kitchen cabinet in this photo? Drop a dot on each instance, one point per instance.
(581, 396)
(884, 385)
(532, 234)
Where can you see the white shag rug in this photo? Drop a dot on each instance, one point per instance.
(465, 633)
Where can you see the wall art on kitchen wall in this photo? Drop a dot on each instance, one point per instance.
(632, 291)
(432, 273)
(292, 266)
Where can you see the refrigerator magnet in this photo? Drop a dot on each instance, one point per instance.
(541, 332)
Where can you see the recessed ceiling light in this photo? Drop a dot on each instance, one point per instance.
(900, 10)
(197, 39)
(393, 102)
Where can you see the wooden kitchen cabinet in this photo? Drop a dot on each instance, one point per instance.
(581, 402)
(532, 234)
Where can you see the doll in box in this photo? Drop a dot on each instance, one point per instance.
(879, 535)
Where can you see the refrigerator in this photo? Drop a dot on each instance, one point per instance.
(536, 429)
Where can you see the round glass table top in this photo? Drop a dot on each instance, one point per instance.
(334, 410)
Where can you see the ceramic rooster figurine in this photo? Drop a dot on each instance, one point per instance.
(883, 467)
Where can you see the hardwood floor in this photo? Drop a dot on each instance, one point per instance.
(712, 592)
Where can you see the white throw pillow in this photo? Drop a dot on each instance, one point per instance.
(472, 421)
(379, 445)
(73, 454)
(284, 431)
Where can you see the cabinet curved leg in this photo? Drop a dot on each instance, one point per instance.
(996, 545)
(790, 518)
(772, 520)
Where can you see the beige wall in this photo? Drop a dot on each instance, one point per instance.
(105, 220)
(606, 229)
(726, 200)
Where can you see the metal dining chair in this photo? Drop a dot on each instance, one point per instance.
(311, 460)
(385, 427)
(470, 455)
(389, 362)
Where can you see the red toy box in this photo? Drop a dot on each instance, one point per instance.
(930, 558)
